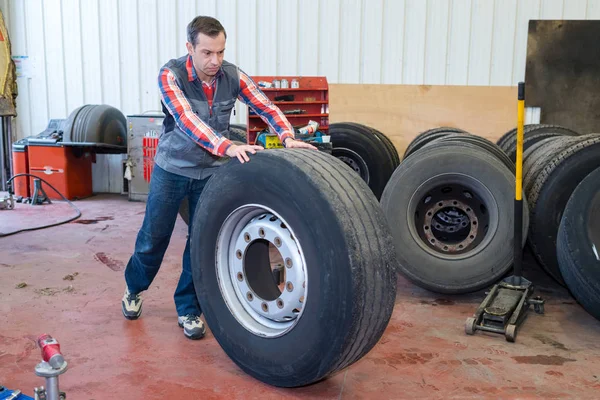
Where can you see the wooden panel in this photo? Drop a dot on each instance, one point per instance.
(403, 111)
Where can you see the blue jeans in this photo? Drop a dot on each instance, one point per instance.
(167, 190)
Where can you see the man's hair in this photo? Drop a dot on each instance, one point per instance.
(207, 25)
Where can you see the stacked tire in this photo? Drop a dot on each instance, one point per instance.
(367, 151)
(578, 243)
(450, 207)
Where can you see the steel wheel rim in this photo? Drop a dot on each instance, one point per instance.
(478, 235)
(354, 161)
(243, 280)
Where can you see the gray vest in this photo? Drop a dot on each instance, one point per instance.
(177, 152)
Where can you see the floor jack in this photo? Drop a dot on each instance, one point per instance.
(506, 304)
(52, 365)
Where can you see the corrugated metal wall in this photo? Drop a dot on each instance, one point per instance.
(109, 51)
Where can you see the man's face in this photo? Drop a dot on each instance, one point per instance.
(207, 54)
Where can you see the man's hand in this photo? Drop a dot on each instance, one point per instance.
(239, 151)
(298, 144)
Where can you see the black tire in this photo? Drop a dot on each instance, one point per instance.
(238, 133)
(529, 141)
(387, 142)
(550, 193)
(578, 243)
(482, 142)
(364, 152)
(427, 136)
(529, 155)
(508, 140)
(543, 156)
(477, 184)
(348, 258)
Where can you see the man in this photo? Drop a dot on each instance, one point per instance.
(198, 93)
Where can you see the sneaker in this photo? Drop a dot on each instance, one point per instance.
(193, 327)
(131, 305)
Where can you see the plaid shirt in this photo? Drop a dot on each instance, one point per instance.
(175, 101)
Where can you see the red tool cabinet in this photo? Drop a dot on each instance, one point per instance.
(312, 96)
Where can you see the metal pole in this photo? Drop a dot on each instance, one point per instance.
(52, 392)
(9, 147)
(518, 236)
(3, 144)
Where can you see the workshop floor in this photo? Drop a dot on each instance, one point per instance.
(68, 281)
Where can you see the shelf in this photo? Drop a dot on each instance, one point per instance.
(301, 102)
(321, 128)
(293, 115)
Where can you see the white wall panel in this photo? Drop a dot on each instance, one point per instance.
(71, 37)
(110, 51)
(287, 43)
(480, 56)
(370, 58)
(39, 97)
(436, 46)
(552, 9)
(392, 59)
(15, 17)
(575, 9)
(415, 22)
(505, 13)
(350, 42)
(328, 19)
(593, 9)
(459, 36)
(526, 10)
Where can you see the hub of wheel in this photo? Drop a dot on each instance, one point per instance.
(354, 161)
(450, 219)
(266, 299)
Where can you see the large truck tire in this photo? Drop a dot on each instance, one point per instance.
(578, 243)
(482, 142)
(364, 152)
(338, 265)
(427, 136)
(509, 139)
(452, 217)
(550, 193)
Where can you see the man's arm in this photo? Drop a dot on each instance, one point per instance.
(251, 94)
(186, 119)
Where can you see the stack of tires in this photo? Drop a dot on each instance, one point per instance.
(449, 205)
(561, 182)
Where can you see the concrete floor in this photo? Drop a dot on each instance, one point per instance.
(74, 282)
